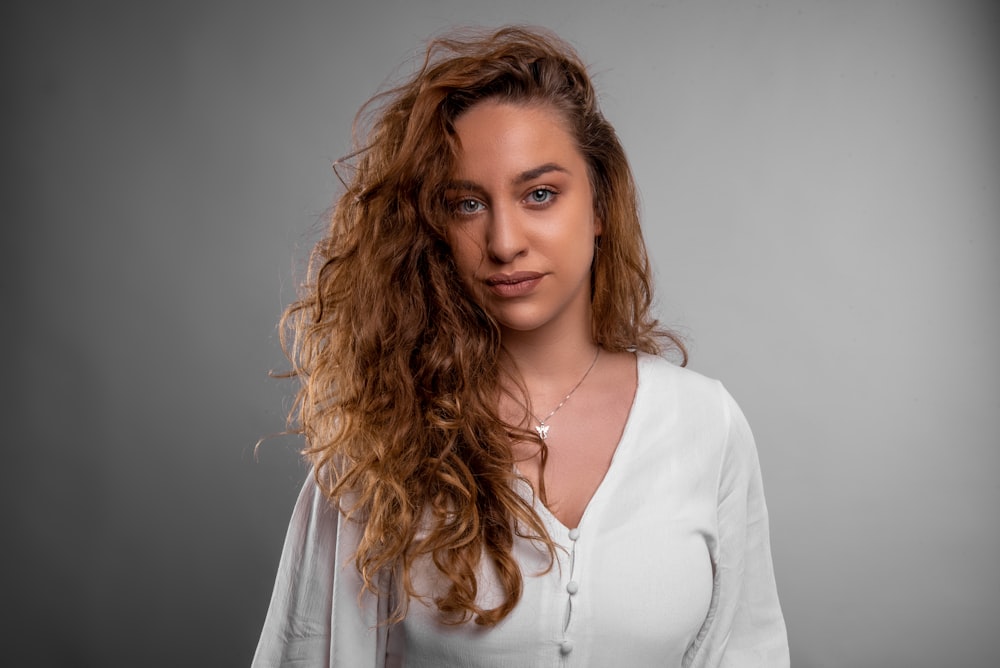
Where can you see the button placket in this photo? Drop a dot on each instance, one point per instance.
(572, 587)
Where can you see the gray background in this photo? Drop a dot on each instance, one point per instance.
(820, 188)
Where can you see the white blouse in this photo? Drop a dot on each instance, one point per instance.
(670, 564)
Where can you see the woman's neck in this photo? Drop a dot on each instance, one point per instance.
(542, 362)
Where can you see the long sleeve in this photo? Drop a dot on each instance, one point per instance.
(318, 616)
(744, 627)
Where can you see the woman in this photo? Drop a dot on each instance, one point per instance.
(505, 471)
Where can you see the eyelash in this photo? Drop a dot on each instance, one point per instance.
(457, 207)
(550, 195)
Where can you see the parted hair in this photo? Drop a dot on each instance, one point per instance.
(400, 367)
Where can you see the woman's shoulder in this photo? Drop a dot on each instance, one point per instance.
(661, 376)
(680, 400)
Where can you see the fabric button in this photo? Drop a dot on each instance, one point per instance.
(572, 587)
(566, 647)
(574, 534)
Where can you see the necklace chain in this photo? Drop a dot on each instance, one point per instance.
(543, 427)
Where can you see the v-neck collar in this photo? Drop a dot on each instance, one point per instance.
(641, 360)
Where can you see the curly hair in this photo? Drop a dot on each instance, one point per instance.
(400, 368)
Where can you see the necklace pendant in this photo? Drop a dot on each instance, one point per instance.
(543, 430)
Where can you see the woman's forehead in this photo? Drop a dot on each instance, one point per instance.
(515, 142)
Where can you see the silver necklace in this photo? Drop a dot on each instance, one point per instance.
(543, 427)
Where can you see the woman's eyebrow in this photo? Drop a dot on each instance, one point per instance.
(532, 174)
(471, 186)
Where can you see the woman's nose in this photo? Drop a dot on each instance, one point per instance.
(505, 238)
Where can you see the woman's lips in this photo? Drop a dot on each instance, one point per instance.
(517, 284)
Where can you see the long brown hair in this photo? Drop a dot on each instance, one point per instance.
(400, 367)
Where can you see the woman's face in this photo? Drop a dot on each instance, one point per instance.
(523, 223)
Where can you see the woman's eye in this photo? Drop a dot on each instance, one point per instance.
(540, 196)
(468, 207)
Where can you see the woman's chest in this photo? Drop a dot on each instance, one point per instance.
(632, 586)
